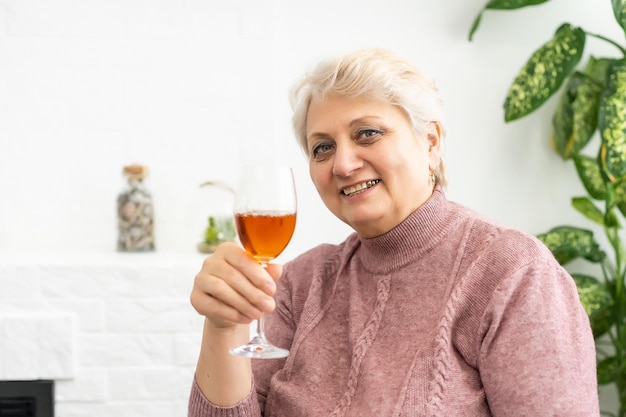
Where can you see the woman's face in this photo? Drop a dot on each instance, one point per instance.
(367, 163)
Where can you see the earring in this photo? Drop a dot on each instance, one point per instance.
(431, 178)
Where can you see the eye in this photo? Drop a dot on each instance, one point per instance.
(322, 150)
(368, 134)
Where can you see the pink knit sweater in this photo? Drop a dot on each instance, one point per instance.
(448, 314)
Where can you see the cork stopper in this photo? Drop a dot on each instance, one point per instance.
(136, 172)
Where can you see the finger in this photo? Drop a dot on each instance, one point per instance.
(235, 256)
(231, 277)
(220, 314)
(275, 271)
(233, 292)
(239, 289)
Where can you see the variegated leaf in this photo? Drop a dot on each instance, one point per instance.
(608, 370)
(596, 69)
(619, 10)
(501, 5)
(586, 207)
(590, 175)
(620, 197)
(601, 322)
(612, 122)
(576, 117)
(585, 114)
(544, 72)
(568, 243)
(596, 301)
(512, 4)
(563, 119)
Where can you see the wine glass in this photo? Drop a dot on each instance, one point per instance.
(265, 218)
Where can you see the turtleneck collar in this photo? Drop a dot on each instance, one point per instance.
(410, 239)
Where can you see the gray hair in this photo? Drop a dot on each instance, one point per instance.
(377, 73)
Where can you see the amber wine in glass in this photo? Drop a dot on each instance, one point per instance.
(265, 218)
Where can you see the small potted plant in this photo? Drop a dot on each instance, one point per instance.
(218, 230)
(220, 227)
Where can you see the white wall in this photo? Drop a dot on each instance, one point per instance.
(191, 87)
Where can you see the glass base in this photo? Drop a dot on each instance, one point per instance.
(259, 349)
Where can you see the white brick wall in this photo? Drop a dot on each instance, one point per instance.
(36, 346)
(116, 331)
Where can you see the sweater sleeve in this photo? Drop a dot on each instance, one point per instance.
(537, 353)
(200, 406)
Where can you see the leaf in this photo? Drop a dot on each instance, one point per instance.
(619, 10)
(568, 243)
(501, 5)
(576, 116)
(596, 301)
(612, 122)
(591, 176)
(601, 322)
(620, 197)
(596, 69)
(611, 220)
(607, 370)
(475, 25)
(544, 72)
(512, 4)
(588, 209)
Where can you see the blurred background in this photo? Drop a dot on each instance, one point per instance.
(191, 88)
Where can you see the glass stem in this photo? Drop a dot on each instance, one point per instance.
(260, 328)
(260, 323)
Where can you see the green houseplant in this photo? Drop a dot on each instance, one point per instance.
(218, 230)
(219, 227)
(592, 102)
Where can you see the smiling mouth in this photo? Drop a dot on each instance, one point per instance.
(359, 188)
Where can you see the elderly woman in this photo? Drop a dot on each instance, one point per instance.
(428, 309)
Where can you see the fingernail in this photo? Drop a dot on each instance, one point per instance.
(269, 287)
(268, 304)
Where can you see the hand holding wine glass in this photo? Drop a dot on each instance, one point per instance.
(265, 218)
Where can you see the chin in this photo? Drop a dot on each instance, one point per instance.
(367, 227)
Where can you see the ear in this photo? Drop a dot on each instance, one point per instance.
(434, 138)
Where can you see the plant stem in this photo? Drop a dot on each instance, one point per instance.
(618, 339)
(612, 42)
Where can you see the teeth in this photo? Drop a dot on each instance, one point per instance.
(359, 188)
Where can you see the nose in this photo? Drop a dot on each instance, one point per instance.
(347, 159)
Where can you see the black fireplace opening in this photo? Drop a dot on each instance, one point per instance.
(27, 398)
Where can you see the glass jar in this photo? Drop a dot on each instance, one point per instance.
(135, 213)
(218, 217)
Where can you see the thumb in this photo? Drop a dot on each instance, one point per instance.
(275, 271)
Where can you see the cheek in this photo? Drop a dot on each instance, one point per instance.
(414, 165)
(318, 177)
(423, 155)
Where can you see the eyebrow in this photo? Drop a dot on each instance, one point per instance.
(362, 119)
(357, 121)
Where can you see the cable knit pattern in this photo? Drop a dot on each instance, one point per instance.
(443, 336)
(441, 355)
(448, 314)
(369, 334)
